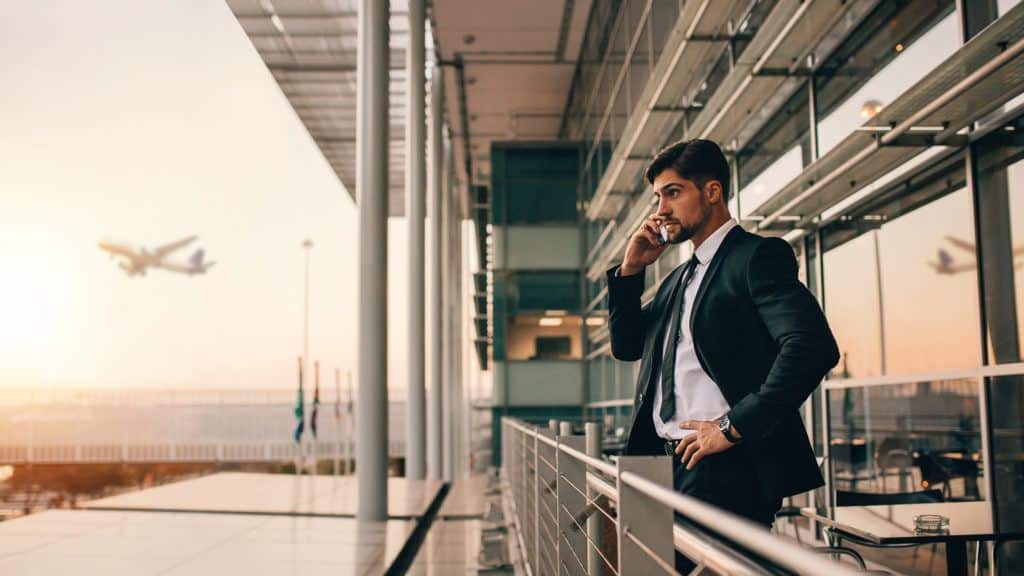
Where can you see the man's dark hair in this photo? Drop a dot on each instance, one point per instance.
(696, 160)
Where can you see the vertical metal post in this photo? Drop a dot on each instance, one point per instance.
(372, 196)
(592, 432)
(435, 415)
(535, 524)
(646, 519)
(447, 339)
(565, 428)
(571, 479)
(415, 181)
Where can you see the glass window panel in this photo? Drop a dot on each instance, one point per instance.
(934, 328)
(851, 305)
(1006, 5)
(664, 14)
(1000, 184)
(1006, 403)
(771, 180)
(639, 69)
(908, 437)
(884, 65)
(924, 329)
(528, 339)
(788, 127)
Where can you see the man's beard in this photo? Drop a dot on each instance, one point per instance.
(683, 235)
(687, 232)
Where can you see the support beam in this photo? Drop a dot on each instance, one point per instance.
(435, 195)
(372, 200)
(415, 182)
(448, 423)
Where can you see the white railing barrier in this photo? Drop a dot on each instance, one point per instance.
(560, 491)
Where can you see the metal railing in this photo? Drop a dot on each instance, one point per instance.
(559, 492)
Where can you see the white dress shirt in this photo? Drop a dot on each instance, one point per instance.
(697, 395)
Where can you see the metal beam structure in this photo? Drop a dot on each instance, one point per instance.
(372, 200)
(415, 182)
(435, 414)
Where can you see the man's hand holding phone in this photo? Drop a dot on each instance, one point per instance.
(647, 244)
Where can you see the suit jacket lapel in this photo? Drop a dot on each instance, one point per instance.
(658, 308)
(709, 276)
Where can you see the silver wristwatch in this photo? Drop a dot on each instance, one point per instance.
(724, 425)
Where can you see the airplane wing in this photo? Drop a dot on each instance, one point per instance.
(161, 251)
(174, 267)
(961, 244)
(119, 250)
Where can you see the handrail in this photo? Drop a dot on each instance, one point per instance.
(695, 544)
(755, 538)
(703, 550)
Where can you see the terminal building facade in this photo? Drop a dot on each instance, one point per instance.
(882, 140)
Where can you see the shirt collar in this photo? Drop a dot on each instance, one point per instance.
(706, 251)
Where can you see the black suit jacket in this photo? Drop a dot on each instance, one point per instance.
(758, 333)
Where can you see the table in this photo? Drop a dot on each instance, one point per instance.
(894, 525)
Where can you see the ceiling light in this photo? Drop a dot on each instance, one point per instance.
(549, 322)
(899, 47)
(276, 21)
(869, 109)
(595, 321)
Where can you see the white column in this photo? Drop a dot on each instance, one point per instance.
(435, 414)
(372, 199)
(447, 424)
(415, 182)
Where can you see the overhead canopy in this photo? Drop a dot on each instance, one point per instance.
(310, 48)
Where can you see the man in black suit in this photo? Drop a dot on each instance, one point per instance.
(730, 346)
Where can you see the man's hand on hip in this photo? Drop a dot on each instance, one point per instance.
(708, 440)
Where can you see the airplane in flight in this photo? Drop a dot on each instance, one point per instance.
(945, 263)
(136, 259)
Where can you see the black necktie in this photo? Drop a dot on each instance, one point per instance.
(668, 362)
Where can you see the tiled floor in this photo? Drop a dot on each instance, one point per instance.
(451, 547)
(59, 542)
(273, 494)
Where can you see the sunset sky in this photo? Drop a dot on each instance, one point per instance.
(148, 122)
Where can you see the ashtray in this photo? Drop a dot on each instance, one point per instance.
(931, 523)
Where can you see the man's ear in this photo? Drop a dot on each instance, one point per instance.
(713, 191)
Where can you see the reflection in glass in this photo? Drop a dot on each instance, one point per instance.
(922, 313)
(899, 43)
(1001, 213)
(918, 437)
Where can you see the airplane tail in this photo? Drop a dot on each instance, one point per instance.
(197, 264)
(197, 258)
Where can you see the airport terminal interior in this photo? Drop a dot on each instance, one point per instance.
(882, 139)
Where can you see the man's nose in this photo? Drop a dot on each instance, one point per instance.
(663, 207)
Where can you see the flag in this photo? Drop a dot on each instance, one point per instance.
(337, 394)
(316, 401)
(300, 421)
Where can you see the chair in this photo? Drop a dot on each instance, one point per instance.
(932, 472)
(894, 458)
(848, 498)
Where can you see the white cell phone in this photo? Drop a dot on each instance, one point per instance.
(662, 235)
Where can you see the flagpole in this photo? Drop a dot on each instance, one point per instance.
(307, 244)
(313, 419)
(337, 420)
(300, 425)
(349, 464)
